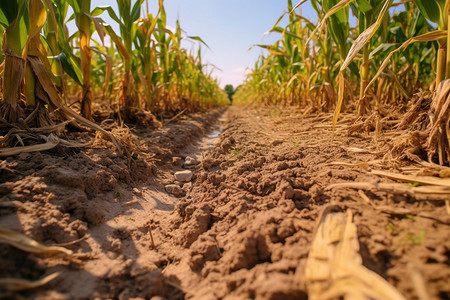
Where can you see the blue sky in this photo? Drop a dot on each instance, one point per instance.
(229, 27)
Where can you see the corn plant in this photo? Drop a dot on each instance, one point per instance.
(22, 22)
(391, 57)
(128, 15)
(42, 65)
(82, 9)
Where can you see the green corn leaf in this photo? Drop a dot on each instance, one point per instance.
(117, 41)
(399, 34)
(70, 67)
(199, 39)
(100, 9)
(382, 48)
(136, 10)
(9, 11)
(431, 9)
(364, 6)
(353, 67)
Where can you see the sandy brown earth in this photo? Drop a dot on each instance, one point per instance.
(240, 228)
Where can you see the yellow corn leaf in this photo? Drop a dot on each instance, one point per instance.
(342, 4)
(334, 267)
(364, 37)
(15, 284)
(298, 5)
(292, 79)
(37, 15)
(27, 244)
(430, 36)
(340, 99)
(155, 20)
(274, 52)
(427, 180)
(268, 60)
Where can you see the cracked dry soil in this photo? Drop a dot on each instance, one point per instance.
(241, 228)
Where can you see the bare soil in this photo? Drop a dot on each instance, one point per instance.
(241, 228)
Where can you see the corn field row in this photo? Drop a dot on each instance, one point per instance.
(125, 74)
(391, 59)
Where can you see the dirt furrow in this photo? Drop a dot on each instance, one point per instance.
(240, 228)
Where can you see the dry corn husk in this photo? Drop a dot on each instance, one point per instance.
(334, 267)
(17, 284)
(427, 180)
(27, 244)
(51, 142)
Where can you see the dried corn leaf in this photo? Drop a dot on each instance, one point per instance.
(438, 192)
(357, 150)
(365, 165)
(365, 36)
(56, 100)
(52, 141)
(418, 282)
(340, 5)
(429, 36)
(334, 267)
(427, 180)
(399, 211)
(16, 284)
(340, 100)
(27, 244)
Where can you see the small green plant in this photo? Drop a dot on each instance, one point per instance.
(118, 194)
(412, 184)
(414, 239)
(295, 143)
(409, 216)
(391, 228)
(235, 152)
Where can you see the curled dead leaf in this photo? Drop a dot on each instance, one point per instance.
(27, 244)
(17, 284)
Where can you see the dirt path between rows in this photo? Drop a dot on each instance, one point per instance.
(240, 228)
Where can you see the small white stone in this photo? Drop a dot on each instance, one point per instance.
(173, 189)
(183, 176)
(189, 161)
